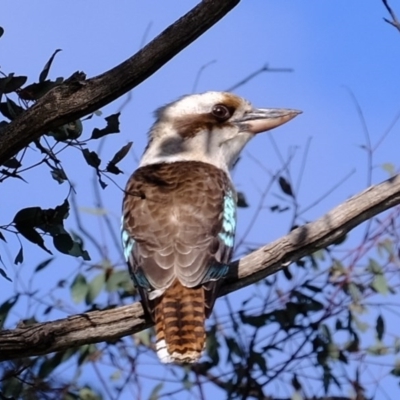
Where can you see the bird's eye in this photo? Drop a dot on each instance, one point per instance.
(221, 112)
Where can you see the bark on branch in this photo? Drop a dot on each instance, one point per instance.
(109, 325)
(79, 96)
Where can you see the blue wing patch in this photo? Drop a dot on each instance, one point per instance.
(227, 236)
(229, 220)
(216, 272)
(128, 243)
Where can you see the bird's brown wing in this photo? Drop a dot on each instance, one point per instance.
(173, 227)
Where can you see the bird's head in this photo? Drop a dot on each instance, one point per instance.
(212, 127)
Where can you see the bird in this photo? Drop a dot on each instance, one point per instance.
(179, 213)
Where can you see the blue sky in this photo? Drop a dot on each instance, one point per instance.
(333, 47)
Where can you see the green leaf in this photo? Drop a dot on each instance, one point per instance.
(116, 375)
(50, 363)
(48, 366)
(119, 280)
(85, 352)
(46, 69)
(385, 247)
(258, 359)
(380, 327)
(241, 200)
(285, 186)
(378, 349)
(5, 309)
(32, 235)
(79, 288)
(12, 174)
(396, 345)
(212, 346)
(379, 284)
(143, 338)
(325, 333)
(121, 153)
(91, 158)
(59, 175)
(337, 270)
(30, 216)
(254, 320)
(11, 83)
(154, 395)
(113, 169)
(361, 326)
(4, 275)
(71, 130)
(35, 91)
(374, 267)
(63, 243)
(287, 273)
(353, 346)
(333, 351)
(12, 163)
(355, 292)
(396, 370)
(94, 287)
(295, 383)
(233, 347)
(87, 393)
(389, 168)
(112, 127)
(340, 240)
(327, 377)
(43, 264)
(313, 288)
(20, 257)
(10, 109)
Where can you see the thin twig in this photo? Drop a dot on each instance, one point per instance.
(259, 71)
(394, 21)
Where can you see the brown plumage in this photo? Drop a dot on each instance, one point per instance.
(179, 318)
(174, 212)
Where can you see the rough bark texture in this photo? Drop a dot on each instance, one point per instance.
(79, 96)
(109, 325)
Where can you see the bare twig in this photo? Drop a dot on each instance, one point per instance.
(394, 22)
(265, 68)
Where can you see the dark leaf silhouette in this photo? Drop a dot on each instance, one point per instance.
(285, 186)
(112, 127)
(11, 83)
(10, 109)
(46, 69)
(241, 200)
(12, 163)
(91, 158)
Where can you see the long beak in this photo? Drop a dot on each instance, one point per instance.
(263, 119)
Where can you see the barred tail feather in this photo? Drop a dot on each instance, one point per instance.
(179, 318)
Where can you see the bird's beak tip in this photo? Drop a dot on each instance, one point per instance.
(262, 120)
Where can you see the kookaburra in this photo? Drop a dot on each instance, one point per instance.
(179, 212)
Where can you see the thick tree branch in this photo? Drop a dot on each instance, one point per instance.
(79, 96)
(109, 325)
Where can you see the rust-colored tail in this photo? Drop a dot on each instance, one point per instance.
(179, 318)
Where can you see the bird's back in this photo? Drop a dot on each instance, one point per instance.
(178, 247)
